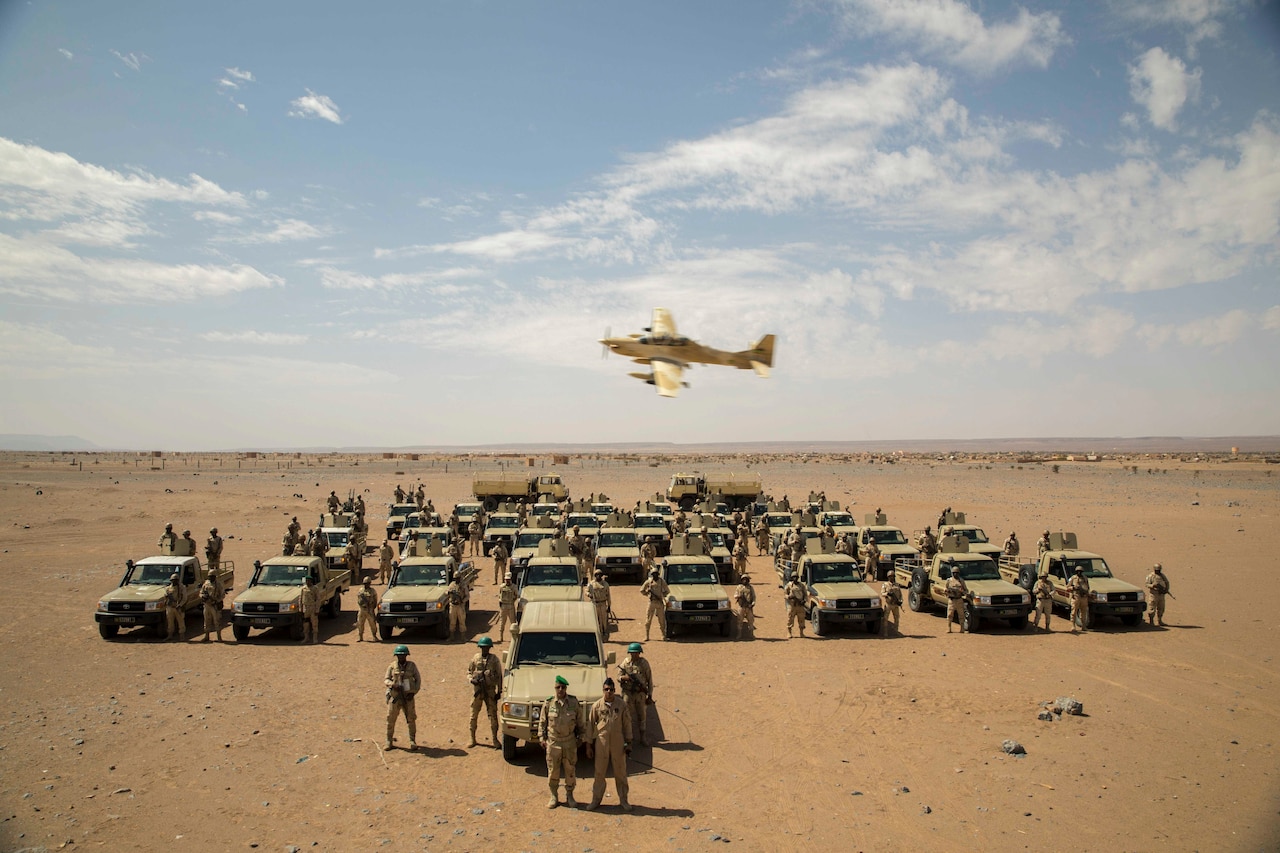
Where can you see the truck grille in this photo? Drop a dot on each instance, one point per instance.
(853, 603)
(408, 607)
(261, 607)
(699, 605)
(125, 607)
(1122, 596)
(1006, 599)
(618, 561)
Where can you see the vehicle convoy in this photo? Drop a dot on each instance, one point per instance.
(526, 546)
(891, 541)
(954, 524)
(551, 575)
(990, 597)
(617, 548)
(719, 545)
(652, 528)
(837, 595)
(556, 638)
(336, 527)
(138, 599)
(416, 596)
(696, 596)
(274, 595)
(738, 491)
(396, 520)
(492, 489)
(501, 526)
(1108, 595)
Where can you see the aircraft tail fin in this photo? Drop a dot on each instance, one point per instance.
(761, 355)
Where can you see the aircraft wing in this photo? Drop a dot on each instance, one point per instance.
(663, 323)
(666, 375)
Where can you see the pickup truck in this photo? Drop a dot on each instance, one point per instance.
(415, 595)
(891, 541)
(990, 597)
(526, 544)
(136, 600)
(501, 526)
(836, 592)
(1108, 595)
(695, 595)
(336, 527)
(617, 549)
(840, 521)
(396, 520)
(274, 595)
(651, 527)
(551, 575)
(954, 524)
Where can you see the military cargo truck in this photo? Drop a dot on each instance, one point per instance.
(556, 638)
(837, 595)
(990, 597)
(492, 489)
(416, 594)
(738, 491)
(1108, 595)
(137, 600)
(274, 595)
(696, 596)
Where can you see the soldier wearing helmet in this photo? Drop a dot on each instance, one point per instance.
(485, 675)
(175, 617)
(167, 539)
(1078, 588)
(1042, 545)
(598, 595)
(507, 596)
(745, 597)
(796, 595)
(1157, 588)
(403, 683)
(636, 678)
(213, 550)
(367, 611)
(655, 591)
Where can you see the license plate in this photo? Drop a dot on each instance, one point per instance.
(260, 621)
(409, 620)
(126, 620)
(1008, 613)
(851, 617)
(1125, 609)
(700, 618)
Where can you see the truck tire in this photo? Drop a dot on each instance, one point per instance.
(384, 633)
(815, 622)
(917, 598)
(442, 628)
(969, 622)
(1027, 579)
(240, 632)
(669, 631)
(490, 504)
(726, 627)
(1131, 620)
(295, 630)
(509, 745)
(873, 627)
(334, 606)
(160, 630)
(108, 632)
(1018, 623)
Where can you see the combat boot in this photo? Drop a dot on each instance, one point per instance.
(473, 737)
(626, 806)
(495, 738)
(389, 744)
(413, 738)
(569, 800)
(593, 805)
(554, 801)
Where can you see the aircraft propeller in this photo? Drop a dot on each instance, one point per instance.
(604, 348)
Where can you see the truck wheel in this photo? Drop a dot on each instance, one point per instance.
(815, 622)
(384, 633)
(295, 630)
(1131, 620)
(1027, 579)
(726, 627)
(490, 504)
(108, 632)
(160, 629)
(334, 607)
(509, 745)
(442, 628)
(873, 627)
(914, 601)
(1018, 623)
(669, 631)
(240, 632)
(686, 504)
(969, 622)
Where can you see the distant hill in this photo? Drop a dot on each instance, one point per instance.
(13, 441)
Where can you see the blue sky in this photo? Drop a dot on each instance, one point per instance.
(300, 224)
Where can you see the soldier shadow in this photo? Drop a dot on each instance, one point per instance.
(440, 751)
(1175, 627)
(656, 811)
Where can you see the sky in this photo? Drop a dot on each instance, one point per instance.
(301, 224)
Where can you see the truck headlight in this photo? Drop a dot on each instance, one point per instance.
(516, 709)
(826, 603)
(384, 607)
(152, 605)
(982, 599)
(1100, 597)
(875, 602)
(440, 605)
(1142, 596)
(1026, 598)
(289, 606)
(237, 607)
(723, 604)
(102, 606)
(672, 604)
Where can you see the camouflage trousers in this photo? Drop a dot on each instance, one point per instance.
(602, 616)
(213, 619)
(562, 760)
(1079, 612)
(656, 608)
(637, 704)
(955, 613)
(894, 612)
(311, 626)
(506, 616)
(489, 703)
(499, 570)
(394, 707)
(746, 623)
(175, 621)
(1042, 608)
(795, 613)
(1155, 608)
(457, 619)
(366, 617)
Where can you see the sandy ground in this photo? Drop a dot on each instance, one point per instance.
(849, 742)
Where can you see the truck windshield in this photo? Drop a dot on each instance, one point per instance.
(602, 509)
(1095, 567)
(466, 509)
(558, 648)
(549, 480)
(403, 509)
(282, 575)
(337, 539)
(834, 573)
(650, 521)
(545, 509)
(973, 534)
(838, 519)
(154, 574)
(582, 521)
(531, 540)
(420, 576)
(778, 519)
(691, 573)
(977, 570)
(550, 575)
(617, 540)
(716, 540)
(891, 536)
(504, 522)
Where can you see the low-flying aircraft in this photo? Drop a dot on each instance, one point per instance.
(668, 353)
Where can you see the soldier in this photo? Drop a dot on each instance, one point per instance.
(740, 557)
(403, 682)
(796, 597)
(559, 731)
(598, 594)
(500, 556)
(745, 597)
(609, 730)
(762, 537)
(473, 533)
(892, 607)
(646, 556)
(1157, 588)
(399, 494)
(420, 496)
(636, 679)
(843, 546)
(1042, 592)
(360, 505)
(507, 596)
(927, 543)
(871, 560)
(1042, 545)
(359, 532)
(175, 618)
(386, 555)
(354, 563)
(333, 502)
(213, 550)
(1011, 546)
(367, 611)
(656, 591)
(319, 544)
(189, 542)
(784, 552)
(485, 674)
(457, 595)
(310, 611)
(957, 592)
(211, 597)
(455, 551)
(292, 535)
(300, 548)
(1078, 586)
(167, 539)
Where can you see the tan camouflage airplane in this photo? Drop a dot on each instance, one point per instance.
(668, 353)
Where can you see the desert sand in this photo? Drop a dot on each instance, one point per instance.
(845, 743)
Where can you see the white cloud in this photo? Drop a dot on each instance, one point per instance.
(68, 54)
(1211, 332)
(1200, 18)
(1271, 319)
(288, 229)
(312, 105)
(215, 216)
(250, 337)
(1162, 85)
(132, 60)
(955, 33)
(435, 282)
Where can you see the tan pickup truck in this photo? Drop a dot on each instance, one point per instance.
(137, 599)
(990, 596)
(416, 594)
(274, 595)
(1108, 595)
(837, 596)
